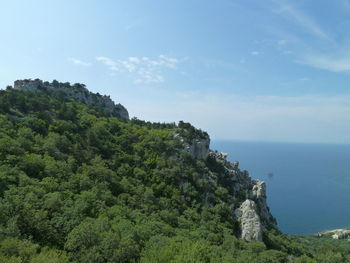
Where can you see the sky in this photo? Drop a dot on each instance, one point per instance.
(252, 70)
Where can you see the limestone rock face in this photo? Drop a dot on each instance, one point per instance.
(258, 193)
(77, 92)
(251, 227)
(259, 190)
(248, 204)
(253, 212)
(199, 148)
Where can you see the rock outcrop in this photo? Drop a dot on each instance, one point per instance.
(336, 233)
(248, 203)
(258, 193)
(253, 212)
(199, 148)
(251, 226)
(77, 91)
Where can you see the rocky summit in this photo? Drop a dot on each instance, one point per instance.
(77, 92)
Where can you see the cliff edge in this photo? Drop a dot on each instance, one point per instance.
(250, 206)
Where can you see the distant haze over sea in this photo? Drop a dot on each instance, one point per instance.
(308, 185)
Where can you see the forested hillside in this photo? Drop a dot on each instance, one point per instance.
(79, 185)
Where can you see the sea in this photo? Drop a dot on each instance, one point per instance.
(308, 185)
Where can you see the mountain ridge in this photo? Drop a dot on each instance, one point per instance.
(253, 217)
(76, 91)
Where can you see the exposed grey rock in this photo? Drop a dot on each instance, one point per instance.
(251, 227)
(259, 190)
(258, 193)
(253, 192)
(77, 92)
(341, 235)
(336, 233)
(199, 148)
(240, 179)
(247, 194)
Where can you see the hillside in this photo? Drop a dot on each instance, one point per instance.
(80, 182)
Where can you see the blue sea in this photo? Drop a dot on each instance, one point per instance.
(308, 185)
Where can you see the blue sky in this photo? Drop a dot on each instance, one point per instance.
(273, 70)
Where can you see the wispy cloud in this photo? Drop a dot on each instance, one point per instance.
(330, 63)
(134, 24)
(321, 50)
(142, 69)
(79, 62)
(255, 53)
(302, 19)
(112, 65)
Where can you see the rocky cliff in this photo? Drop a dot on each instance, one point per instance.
(250, 207)
(251, 226)
(77, 91)
(199, 147)
(253, 212)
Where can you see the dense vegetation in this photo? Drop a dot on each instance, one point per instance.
(77, 185)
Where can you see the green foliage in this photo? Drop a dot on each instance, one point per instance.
(189, 132)
(77, 185)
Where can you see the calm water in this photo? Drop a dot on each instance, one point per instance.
(310, 187)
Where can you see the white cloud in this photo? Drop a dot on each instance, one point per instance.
(129, 66)
(330, 63)
(149, 78)
(311, 51)
(255, 53)
(112, 65)
(168, 62)
(143, 69)
(302, 19)
(79, 62)
(134, 60)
